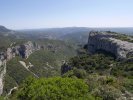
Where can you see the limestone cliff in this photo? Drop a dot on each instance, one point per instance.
(110, 42)
(26, 49)
(23, 51)
(2, 74)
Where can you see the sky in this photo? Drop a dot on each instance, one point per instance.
(28, 14)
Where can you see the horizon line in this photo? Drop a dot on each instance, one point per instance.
(69, 27)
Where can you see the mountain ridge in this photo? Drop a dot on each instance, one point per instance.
(4, 29)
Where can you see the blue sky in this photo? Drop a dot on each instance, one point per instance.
(23, 14)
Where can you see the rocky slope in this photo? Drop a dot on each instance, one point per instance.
(41, 58)
(23, 51)
(111, 42)
(4, 29)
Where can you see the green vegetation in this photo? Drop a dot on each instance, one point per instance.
(97, 63)
(79, 73)
(90, 77)
(16, 70)
(46, 63)
(105, 87)
(102, 77)
(54, 89)
(122, 37)
(15, 75)
(6, 41)
(128, 84)
(107, 78)
(9, 83)
(2, 98)
(102, 64)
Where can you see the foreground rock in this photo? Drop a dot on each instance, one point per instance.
(108, 42)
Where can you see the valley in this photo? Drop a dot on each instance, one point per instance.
(66, 49)
(101, 59)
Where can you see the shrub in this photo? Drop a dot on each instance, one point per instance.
(107, 92)
(79, 73)
(56, 88)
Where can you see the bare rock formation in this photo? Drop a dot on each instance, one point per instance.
(28, 48)
(108, 42)
(2, 74)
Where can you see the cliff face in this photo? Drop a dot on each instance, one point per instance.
(2, 71)
(2, 74)
(21, 50)
(107, 42)
(28, 48)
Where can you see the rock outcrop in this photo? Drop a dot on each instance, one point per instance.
(23, 50)
(65, 68)
(2, 74)
(28, 48)
(106, 41)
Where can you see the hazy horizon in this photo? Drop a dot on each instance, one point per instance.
(67, 27)
(37, 14)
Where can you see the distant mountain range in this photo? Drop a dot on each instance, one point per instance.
(67, 30)
(68, 34)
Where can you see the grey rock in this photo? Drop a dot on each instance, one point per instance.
(28, 48)
(107, 42)
(2, 74)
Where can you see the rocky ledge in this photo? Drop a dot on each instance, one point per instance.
(108, 42)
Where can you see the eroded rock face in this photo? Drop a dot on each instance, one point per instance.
(28, 48)
(2, 74)
(2, 70)
(107, 42)
(21, 50)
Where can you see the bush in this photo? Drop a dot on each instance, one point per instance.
(56, 88)
(2, 98)
(79, 73)
(128, 84)
(107, 93)
(105, 87)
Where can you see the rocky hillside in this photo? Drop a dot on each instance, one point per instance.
(120, 46)
(23, 51)
(38, 58)
(4, 29)
(108, 78)
(23, 57)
